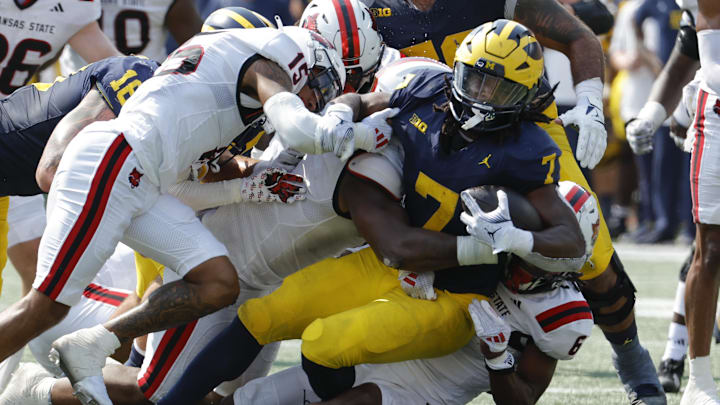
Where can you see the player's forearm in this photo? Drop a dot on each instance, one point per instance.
(365, 104)
(92, 108)
(676, 73)
(510, 389)
(556, 28)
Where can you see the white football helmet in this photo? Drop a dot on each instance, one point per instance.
(350, 27)
(326, 75)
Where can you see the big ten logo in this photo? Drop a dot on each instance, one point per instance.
(418, 123)
(381, 12)
(481, 63)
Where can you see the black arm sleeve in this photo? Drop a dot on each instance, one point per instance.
(595, 15)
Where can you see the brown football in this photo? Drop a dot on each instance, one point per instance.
(522, 213)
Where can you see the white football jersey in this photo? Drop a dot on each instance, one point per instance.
(192, 109)
(268, 242)
(134, 26)
(33, 31)
(558, 322)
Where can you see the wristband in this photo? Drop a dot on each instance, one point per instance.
(522, 242)
(504, 363)
(592, 90)
(471, 251)
(653, 112)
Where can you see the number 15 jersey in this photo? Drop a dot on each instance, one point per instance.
(33, 31)
(192, 109)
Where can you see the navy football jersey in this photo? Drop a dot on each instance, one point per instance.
(434, 176)
(29, 115)
(436, 33)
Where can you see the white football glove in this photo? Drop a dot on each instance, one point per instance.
(495, 228)
(336, 130)
(640, 131)
(588, 117)
(286, 160)
(489, 327)
(373, 133)
(418, 285)
(271, 185)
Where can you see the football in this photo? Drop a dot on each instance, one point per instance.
(522, 213)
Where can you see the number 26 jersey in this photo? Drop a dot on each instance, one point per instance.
(33, 31)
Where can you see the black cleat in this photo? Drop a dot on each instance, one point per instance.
(670, 374)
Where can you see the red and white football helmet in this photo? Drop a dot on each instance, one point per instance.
(350, 27)
(522, 277)
(326, 75)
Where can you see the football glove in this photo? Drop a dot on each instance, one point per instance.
(489, 327)
(286, 160)
(373, 132)
(495, 228)
(271, 185)
(418, 285)
(588, 117)
(640, 130)
(336, 130)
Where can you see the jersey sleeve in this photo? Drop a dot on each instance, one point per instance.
(83, 12)
(417, 87)
(562, 324)
(119, 77)
(532, 161)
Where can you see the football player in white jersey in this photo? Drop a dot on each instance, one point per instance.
(701, 287)
(141, 28)
(109, 181)
(542, 318)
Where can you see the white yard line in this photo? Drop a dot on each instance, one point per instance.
(653, 253)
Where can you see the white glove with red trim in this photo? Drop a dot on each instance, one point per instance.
(374, 132)
(418, 285)
(489, 327)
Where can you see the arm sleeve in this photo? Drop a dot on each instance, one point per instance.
(595, 15)
(294, 124)
(200, 196)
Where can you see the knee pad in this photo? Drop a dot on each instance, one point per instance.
(623, 288)
(686, 265)
(328, 382)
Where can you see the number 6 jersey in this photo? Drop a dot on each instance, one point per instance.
(33, 31)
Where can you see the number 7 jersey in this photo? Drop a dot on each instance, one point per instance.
(33, 31)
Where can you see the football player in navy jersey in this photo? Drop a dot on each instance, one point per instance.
(433, 28)
(447, 149)
(32, 113)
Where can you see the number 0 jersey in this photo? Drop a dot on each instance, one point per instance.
(33, 31)
(436, 33)
(135, 27)
(193, 108)
(29, 115)
(433, 177)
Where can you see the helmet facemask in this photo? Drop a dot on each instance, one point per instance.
(483, 101)
(323, 79)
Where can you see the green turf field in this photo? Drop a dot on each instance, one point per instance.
(589, 379)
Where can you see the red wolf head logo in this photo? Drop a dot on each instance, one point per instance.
(134, 178)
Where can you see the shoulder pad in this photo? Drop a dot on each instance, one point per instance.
(398, 74)
(274, 45)
(118, 77)
(562, 325)
(382, 170)
(423, 86)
